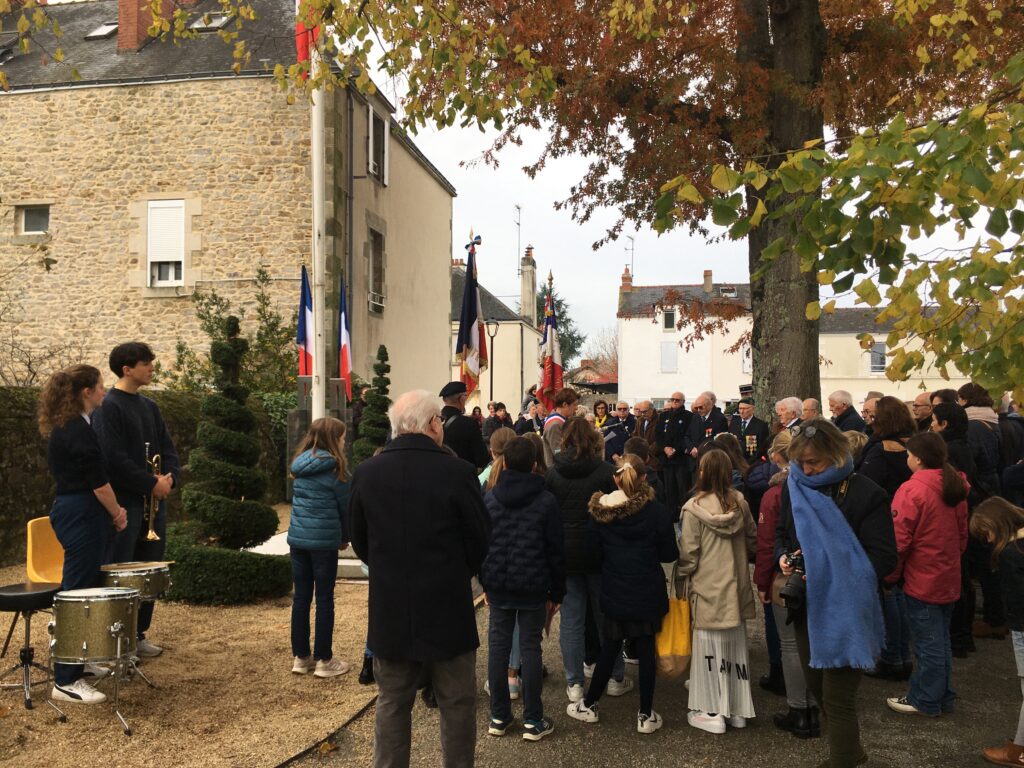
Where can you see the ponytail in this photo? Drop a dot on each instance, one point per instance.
(954, 488)
(496, 468)
(631, 475)
(931, 449)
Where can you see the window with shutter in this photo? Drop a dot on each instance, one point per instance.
(376, 294)
(669, 357)
(668, 320)
(878, 358)
(165, 243)
(376, 146)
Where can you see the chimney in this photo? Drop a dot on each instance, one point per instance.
(708, 283)
(627, 281)
(528, 287)
(134, 19)
(459, 263)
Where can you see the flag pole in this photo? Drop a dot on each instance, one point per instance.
(319, 383)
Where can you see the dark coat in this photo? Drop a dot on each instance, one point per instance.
(850, 420)
(629, 539)
(493, 423)
(462, 435)
(865, 507)
(701, 429)
(615, 433)
(757, 429)
(1011, 442)
(526, 557)
(648, 430)
(984, 442)
(1011, 575)
(573, 481)
(419, 522)
(671, 432)
(888, 468)
(525, 425)
(630, 424)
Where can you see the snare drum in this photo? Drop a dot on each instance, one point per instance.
(151, 579)
(88, 622)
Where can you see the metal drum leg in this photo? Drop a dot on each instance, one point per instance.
(118, 670)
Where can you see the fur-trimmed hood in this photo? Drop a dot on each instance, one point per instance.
(607, 508)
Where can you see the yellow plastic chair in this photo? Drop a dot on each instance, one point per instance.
(45, 559)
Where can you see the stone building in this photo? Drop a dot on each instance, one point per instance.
(654, 359)
(159, 172)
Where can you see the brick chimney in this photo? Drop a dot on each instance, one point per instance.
(460, 263)
(708, 282)
(528, 287)
(134, 18)
(627, 281)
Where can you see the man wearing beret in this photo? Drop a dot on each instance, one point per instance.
(461, 433)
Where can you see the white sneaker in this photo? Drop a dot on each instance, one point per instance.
(574, 692)
(648, 723)
(736, 721)
(303, 664)
(79, 692)
(619, 687)
(580, 711)
(95, 671)
(147, 650)
(588, 670)
(331, 668)
(706, 722)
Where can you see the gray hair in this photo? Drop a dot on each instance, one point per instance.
(710, 397)
(792, 404)
(413, 412)
(841, 396)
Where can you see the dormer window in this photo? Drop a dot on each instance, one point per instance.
(728, 292)
(103, 31)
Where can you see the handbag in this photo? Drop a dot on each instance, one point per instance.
(673, 644)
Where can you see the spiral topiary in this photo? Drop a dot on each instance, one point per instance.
(223, 500)
(374, 427)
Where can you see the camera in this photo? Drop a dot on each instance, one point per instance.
(794, 591)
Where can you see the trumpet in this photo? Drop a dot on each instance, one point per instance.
(152, 503)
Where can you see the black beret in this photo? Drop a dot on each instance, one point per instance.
(452, 388)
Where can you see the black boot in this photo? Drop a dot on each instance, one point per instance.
(774, 682)
(366, 673)
(802, 723)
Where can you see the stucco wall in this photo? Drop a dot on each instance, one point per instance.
(515, 366)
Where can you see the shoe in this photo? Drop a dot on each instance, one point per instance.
(580, 711)
(619, 687)
(303, 664)
(515, 688)
(1011, 754)
(706, 722)
(774, 682)
(79, 692)
(886, 671)
(498, 727)
(648, 723)
(802, 723)
(588, 670)
(735, 721)
(630, 659)
(146, 649)
(535, 730)
(574, 692)
(982, 629)
(366, 673)
(95, 671)
(331, 668)
(904, 707)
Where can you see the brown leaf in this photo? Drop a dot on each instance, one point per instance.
(326, 748)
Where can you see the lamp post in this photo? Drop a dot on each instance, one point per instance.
(492, 331)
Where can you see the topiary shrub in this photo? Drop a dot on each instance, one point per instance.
(223, 499)
(374, 427)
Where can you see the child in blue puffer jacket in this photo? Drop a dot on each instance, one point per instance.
(316, 534)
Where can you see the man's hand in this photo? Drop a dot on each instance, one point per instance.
(164, 484)
(120, 520)
(693, 452)
(670, 451)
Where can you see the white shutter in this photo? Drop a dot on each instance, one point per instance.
(369, 142)
(165, 246)
(669, 357)
(387, 151)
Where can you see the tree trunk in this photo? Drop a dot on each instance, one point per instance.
(784, 343)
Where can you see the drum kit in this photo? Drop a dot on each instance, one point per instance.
(100, 625)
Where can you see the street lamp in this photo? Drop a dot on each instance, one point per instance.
(492, 331)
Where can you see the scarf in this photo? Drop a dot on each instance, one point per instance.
(982, 414)
(844, 615)
(599, 422)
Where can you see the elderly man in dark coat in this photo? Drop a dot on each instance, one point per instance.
(419, 522)
(462, 433)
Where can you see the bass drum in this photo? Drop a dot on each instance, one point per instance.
(87, 624)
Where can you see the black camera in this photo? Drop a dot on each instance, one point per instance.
(794, 591)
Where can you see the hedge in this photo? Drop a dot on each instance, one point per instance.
(233, 524)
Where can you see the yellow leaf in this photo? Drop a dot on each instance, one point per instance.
(812, 143)
(826, 277)
(724, 178)
(813, 310)
(830, 307)
(758, 214)
(689, 193)
(979, 111)
(3, 81)
(23, 24)
(326, 747)
(867, 341)
(867, 292)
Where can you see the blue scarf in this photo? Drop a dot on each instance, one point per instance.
(844, 614)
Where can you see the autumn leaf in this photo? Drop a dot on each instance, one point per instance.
(813, 310)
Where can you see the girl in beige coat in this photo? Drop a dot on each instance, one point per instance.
(717, 539)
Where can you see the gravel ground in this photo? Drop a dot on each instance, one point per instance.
(986, 715)
(226, 694)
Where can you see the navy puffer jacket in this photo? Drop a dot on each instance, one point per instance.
(525, 559)
(319, 503)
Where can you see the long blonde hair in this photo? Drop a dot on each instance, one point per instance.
(630, 475)
(326, 434)
(499, 439)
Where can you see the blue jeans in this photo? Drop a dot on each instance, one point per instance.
(579, 588)
(313, 571)
(931, 684)
(897, 631)
(85, 532)
(499, 643)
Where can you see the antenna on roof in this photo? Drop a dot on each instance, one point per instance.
(631, 250)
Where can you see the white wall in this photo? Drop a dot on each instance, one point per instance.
(514, 363)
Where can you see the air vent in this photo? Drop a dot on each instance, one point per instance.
(103, 31)
(210, 22)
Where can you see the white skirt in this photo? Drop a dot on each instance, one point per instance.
(720, 672)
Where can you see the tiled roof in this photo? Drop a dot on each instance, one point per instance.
(493, 308)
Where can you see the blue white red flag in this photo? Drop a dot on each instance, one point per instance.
(344, 342)
(304, 335)
(471, 345)
(550, 357)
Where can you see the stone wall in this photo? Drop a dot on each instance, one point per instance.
(26, 488)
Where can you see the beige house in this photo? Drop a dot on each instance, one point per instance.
(159, 173)
(654, 359)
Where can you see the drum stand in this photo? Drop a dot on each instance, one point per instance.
(26, 663)
(120, 668)
(131, 669)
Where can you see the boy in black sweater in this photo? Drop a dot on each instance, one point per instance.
(126, 423)
(524, 578)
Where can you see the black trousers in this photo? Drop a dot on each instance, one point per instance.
(677, 486)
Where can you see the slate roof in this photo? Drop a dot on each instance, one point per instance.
(493, 308)
(640, 301)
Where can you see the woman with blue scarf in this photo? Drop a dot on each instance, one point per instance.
(838, 523)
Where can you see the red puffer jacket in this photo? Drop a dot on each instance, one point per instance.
(764, 565)
(930, 537)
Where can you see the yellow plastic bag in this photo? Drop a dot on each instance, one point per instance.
(673, 643)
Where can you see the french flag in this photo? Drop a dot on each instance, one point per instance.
(304, 336)
(550, 357)
(305, 37)
(344, 342)
(471, 346)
